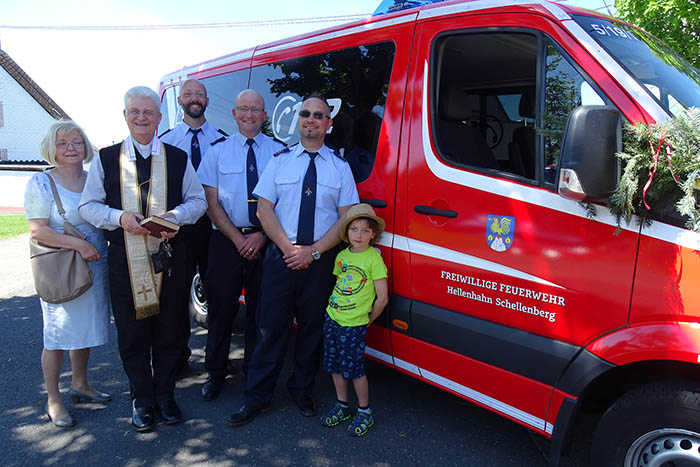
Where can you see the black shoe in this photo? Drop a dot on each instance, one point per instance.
(245, 414)
(307, 405)
(142, 418)
(169, 412)
(212, 387)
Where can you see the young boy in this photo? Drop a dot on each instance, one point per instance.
(358, 298)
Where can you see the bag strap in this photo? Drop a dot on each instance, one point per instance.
(68, 228)
(56, 197)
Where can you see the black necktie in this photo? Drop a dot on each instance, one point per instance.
(307, 209)
(195, 154)
(252, 178)
(143, 174)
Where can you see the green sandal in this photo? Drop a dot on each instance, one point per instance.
(335, 415)
(361, 424)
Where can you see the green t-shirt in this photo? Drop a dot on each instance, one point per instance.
(353, 294)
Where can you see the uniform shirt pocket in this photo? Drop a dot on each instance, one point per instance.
(230, 176)
(231, 166)
(288, 188)
(328, 192)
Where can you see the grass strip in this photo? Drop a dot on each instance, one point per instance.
(13, 225)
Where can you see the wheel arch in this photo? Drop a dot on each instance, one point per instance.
(602, 391)
(596, 384)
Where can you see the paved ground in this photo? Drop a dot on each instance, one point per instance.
(416, 423)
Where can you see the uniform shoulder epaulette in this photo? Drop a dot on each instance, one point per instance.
(279, 141)
(223, 138)
(337, 154)
(165, 132)
(222, 132)
(281, 151)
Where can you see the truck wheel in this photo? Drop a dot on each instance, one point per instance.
(198, 302)
(654, 425)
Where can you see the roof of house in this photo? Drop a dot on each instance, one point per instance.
(31, 87)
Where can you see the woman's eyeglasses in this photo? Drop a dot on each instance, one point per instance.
(75, 144)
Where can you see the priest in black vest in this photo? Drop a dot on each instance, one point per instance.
(129, 181)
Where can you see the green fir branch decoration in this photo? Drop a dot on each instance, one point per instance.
(673, 188)
(589, 209)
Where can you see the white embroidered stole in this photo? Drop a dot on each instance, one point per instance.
(145, 285)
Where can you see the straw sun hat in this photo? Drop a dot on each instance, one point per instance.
(356, 211)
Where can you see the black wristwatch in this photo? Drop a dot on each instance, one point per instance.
(315, 254)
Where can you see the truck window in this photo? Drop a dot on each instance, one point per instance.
(485, 111)
(485, 92)
(354, 81)
(221, 90)
(668, 77)
(169, 109)
(564, 90)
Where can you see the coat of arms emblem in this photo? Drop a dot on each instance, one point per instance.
(499, 232)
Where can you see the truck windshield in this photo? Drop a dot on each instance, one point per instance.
(668, 77)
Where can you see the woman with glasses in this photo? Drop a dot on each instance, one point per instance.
(81, 323)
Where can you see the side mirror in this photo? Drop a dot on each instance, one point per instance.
(588, 168)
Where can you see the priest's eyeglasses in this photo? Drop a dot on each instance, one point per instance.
(136, 113)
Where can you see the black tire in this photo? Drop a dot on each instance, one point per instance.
(198, 302)
(653, 425)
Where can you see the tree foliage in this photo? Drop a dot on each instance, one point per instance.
(676, 22)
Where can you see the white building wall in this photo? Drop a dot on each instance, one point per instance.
(12, 186)
(24, 121)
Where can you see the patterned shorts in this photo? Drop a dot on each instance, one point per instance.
(344, 349)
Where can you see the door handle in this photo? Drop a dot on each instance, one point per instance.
(428, 211)
(375, 203)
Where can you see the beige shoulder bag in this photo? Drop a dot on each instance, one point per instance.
(60, 274)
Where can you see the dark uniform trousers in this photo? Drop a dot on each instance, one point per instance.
(227, 275)
(284, 294)
(197, 237)
(150, 348)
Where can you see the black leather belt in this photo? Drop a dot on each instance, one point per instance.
(249, 230)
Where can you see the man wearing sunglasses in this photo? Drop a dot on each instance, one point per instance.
(229, 174)
(302, 194)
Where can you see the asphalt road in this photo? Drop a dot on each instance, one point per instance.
(416, 424)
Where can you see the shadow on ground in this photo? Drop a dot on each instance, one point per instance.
(416, 424)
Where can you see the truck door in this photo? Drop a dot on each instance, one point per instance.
(508, 280)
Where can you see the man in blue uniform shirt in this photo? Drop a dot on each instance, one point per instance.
(193, 135)
(302, 194)
(229, 174)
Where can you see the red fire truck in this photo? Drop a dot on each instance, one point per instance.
(474, 128)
